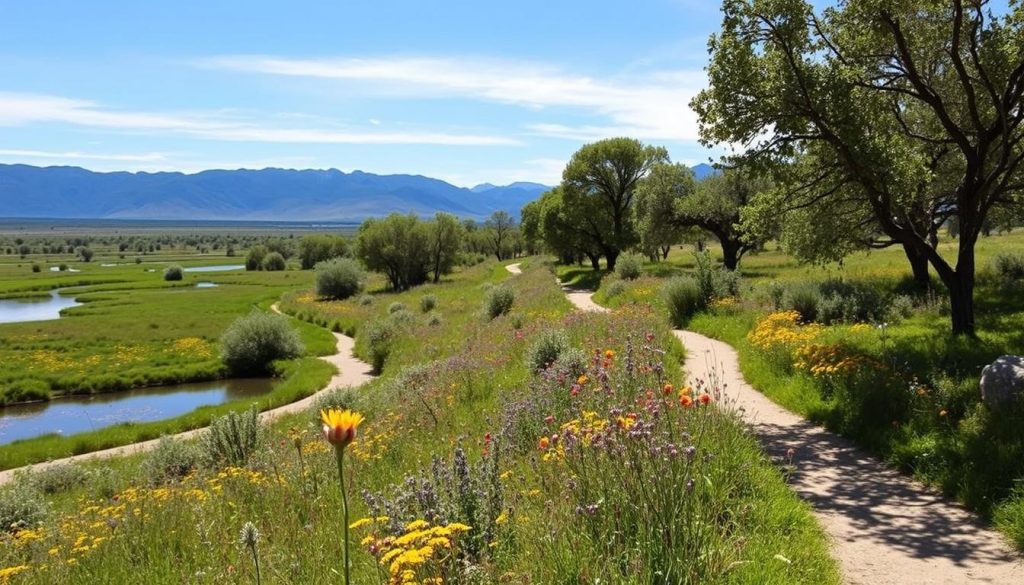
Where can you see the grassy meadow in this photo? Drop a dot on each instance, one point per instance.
(471, 467)
(895, 380)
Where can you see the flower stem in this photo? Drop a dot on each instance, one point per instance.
(340, 455)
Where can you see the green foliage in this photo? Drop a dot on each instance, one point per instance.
(398, 246)
(396, 307)
(366, 300)
(36, 267)
(615, 289)
(716, 205)
(683, 298)
(1009, 518)
(173, 273)
(1009, 266)
(546, 349)
(434, 319)
(657, 197)
(499, 229)
(170, 460)
(273, 261)
(232, 439)
(428, 303)
(317, 248)
(339, 278)
(804, 298)
(499, 301)
(86, 254)
(252, 343)
(55, 479)
(379, 339)
(573, 361)
(338, 398)
(445, 236)
(629, 267)
(21, 507)
(714, 282)
(254, 259)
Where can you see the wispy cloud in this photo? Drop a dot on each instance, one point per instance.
(76, 155)
(17, 109)
(654, 106)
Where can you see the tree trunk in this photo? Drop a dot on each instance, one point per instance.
(611, 256)
(961, 300)
(595, 261)
(664, 251)
(918, 265)
(730, 253)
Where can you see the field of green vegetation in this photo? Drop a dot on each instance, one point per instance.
(471, 467)
(870, 356)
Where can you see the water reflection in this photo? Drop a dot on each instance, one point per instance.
(67, 416)
(35, 308)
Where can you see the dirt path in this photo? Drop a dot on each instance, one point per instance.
(885, 528)
(351, 372)
(514, 268)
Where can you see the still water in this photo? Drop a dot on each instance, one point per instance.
(215, 268)
(76, 414)
(35, 308)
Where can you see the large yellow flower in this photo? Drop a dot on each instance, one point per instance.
(340, 426)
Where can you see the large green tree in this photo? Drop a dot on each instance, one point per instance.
(500, 227)
(600, 182)
(316, 248)
(910, 110)
(715, 207)
(657, 196)
(445, 235)
(398, 246)
(566, 229)
(529, 226)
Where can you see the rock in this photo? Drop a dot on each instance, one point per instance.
(1002, 382)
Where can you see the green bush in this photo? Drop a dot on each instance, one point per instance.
(173, 273)
(402, 317)
(395, 307)
(427, 303)
(546, 349)
(379, 337)
(340, 398)
(1008, 266)
(254, 259)
(340, 279)
(171, 459)
(499, 301)
(804, 298)
(21, 506)
(366, 300)
(253, 342)
(1009, 517)
(56, 479)
(232, 439)
(573, 361)
(629, 267)
(36, 267)
(900, 308)
(434, 319)
(273, 262)
(615, 289)
(683, 298)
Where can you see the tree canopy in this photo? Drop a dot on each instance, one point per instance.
(886, 117)
(657, 196)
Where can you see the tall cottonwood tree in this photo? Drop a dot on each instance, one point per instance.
(657, 196)
(715, 206)
(874, 91)
(600, 183)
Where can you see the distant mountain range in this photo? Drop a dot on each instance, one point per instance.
(249, 195)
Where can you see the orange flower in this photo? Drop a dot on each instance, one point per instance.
(582, 380)
(543, 443)
(943, 412)
(340, 426)
(704, 398)
(609, 354)
(686, 401)
(667, 389)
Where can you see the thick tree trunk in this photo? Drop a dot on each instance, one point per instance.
(664, 251)
(595, 261)
(611, 256)
(918, 266)
(961, 300)
(730, 253)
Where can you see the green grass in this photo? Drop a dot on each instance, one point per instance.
(463, 385)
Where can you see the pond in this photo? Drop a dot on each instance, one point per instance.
(215, 268)
(35, 308)
(77, 414)
(204, 284)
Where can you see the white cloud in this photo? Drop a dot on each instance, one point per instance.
(76, 155)
(17, 109)
(653, 107)
(539, 170)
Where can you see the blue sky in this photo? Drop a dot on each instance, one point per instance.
(463, 91)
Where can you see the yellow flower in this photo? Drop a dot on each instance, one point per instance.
(340, 426)
(609, 354)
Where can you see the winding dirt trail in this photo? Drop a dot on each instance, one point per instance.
(352, 372)
(885, 528)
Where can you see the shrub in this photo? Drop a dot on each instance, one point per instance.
(427, 303)
(232, 439)
(1009, 267)
(340, 279)
(395, 307)
(803, 298)
(518, 320)
(434, 319)
(340, 398)
(499, 301)
(36, 267)
(1009, 517)
(138, 260)
(63, 268)
(254, 259)
(402, 317)
(615, 289)
(21, 507)
(682, 296)
(573, 361)
(546, 349)
(900, 308)
(273, 262)
(253, 342)
(379, 336)
(629, 267)
(171, 459)
(366, 300)
(172, 273)
(56, 478)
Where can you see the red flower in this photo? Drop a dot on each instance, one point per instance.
(704, 398)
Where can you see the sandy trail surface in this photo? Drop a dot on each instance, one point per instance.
(352, 372)
(885, 528)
